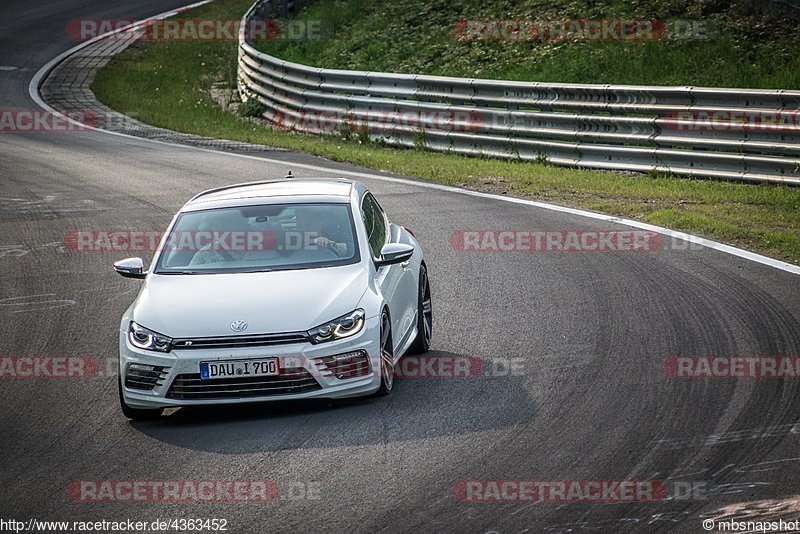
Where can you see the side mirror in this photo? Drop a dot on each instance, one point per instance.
(394, 253)
(130, 268)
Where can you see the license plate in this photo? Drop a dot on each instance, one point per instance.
(239, 368)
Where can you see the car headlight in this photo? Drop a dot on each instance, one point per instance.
(345, 326)
(143, 338)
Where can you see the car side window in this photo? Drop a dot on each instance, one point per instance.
(375, 224)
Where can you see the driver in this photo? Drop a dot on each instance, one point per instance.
(322, 229)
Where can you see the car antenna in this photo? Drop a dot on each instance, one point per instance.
(289, 175)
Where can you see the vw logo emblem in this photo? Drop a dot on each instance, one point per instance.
(239, 326)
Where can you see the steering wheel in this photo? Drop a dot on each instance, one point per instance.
(331, 245)
(227, 256)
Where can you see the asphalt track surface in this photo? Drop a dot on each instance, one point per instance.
(591, 332)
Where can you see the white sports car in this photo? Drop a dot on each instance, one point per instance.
(272, 291)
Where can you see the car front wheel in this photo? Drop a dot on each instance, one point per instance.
(422, 343)
(387, 356)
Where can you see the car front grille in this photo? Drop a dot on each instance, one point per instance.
(289, 381)
(144, 377)
(258, 340)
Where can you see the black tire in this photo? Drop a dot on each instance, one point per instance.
(136, 414)
(422, 343)
(387, 357)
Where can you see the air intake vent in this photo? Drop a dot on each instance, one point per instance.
(349, 365)
(144, 377)
(291, 380)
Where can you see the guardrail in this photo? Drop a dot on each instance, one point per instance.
(613, 127)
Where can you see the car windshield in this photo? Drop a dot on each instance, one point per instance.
(260, 238)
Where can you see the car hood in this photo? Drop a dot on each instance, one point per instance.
(280, 301)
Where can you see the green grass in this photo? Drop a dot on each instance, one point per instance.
(167, 85)
(749, 43)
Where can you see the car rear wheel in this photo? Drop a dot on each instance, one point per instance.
(387, 356)
(136, 414)
(422, 343)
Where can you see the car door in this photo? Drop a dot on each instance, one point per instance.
(388, 278)
(407, 291)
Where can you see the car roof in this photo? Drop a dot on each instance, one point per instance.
(289, 189)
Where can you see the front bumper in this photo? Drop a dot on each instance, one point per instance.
(301, 357)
